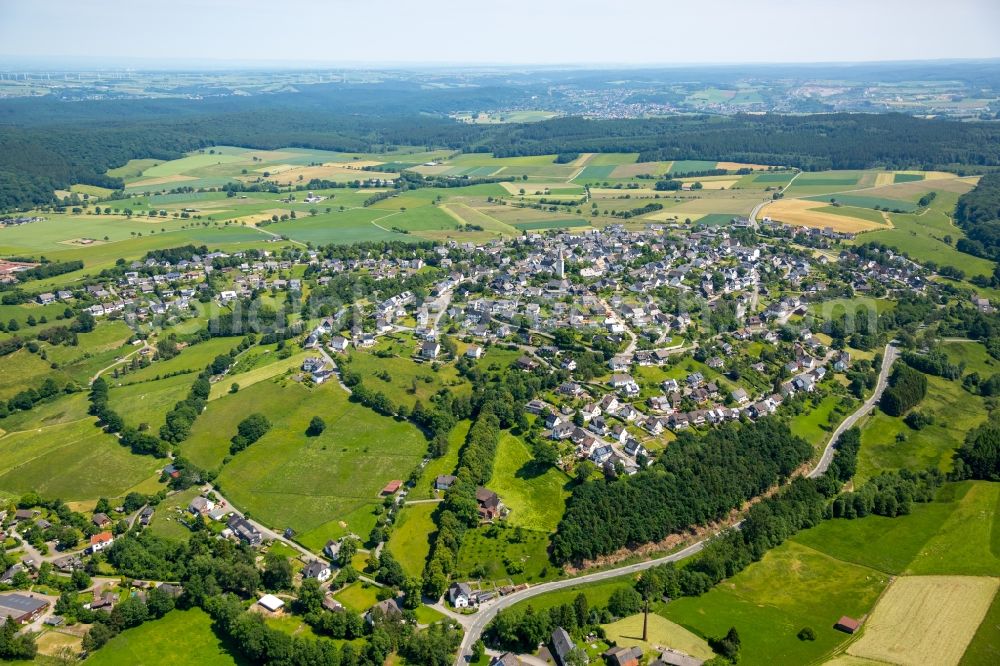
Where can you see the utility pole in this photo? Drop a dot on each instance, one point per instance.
(645, 620)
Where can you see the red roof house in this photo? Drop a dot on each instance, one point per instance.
(392, 487)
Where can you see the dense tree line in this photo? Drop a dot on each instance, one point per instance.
(978, 214)
(27, 398)
(49, 269)
(889, 494)
(249, 431)
(979, 456)
(906, 388)
(173, 255)
(697, 480)
(459, 512)
(934, 362)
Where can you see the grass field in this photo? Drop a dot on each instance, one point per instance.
(155, 643)
(540, 225)
(921, 235)
(410, 539)
(149, 402)
(502, 558)
(70, 458)
(409, 380)
(984, 649)
(968, 541)
(536, 497)
(861, 201)
(166, 521)
(358, 596)
(956, 411)
(662, 633)
(814, 426)
(769, 602)
(446, 464)
(323, 486)
(925, 619)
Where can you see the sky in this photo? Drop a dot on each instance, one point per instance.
(471, 32)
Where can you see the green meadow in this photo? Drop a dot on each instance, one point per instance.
(535, 496)
(310, 484)
(156, 643)
(410, 541)
(887, 443)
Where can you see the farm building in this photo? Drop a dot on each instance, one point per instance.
(271, 602)
(623, 656)
(675, 658)
(847, 624)
(392, 487)
(22, 607)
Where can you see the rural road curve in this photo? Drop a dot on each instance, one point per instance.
(890, 355)
(476, 624)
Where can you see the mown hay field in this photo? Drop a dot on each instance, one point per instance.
(805, 213)
(925, 619)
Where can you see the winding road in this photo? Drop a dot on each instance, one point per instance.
(475, 624)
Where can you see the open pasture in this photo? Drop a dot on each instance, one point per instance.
(925, 619)
(287, 479)
(70, 459)
(536, 496)
(770, 601)
(862, 201)
(687, 166)
(408, 380)
(410, 541)
(465, 214)
(155, 643)
(922, 234)
(662, 633)
(799, 212)
(955, 411)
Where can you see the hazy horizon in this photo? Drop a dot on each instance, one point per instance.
(446, 33)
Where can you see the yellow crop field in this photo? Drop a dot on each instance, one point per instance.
(612, 193)
(641, 168)
(161, 180)
(798, 212)
(332, 171)
(713, 183)
(736, 166)
(884, 178)
(531, 187)
(926, 620)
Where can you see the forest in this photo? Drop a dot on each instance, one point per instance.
(47, 144)
(696, 481)
(978, 214)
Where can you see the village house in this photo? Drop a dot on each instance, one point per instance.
(489, 504)
(318, 570)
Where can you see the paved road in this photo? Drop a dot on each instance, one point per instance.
(888, 357)
(475, 627)
(476, 624)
